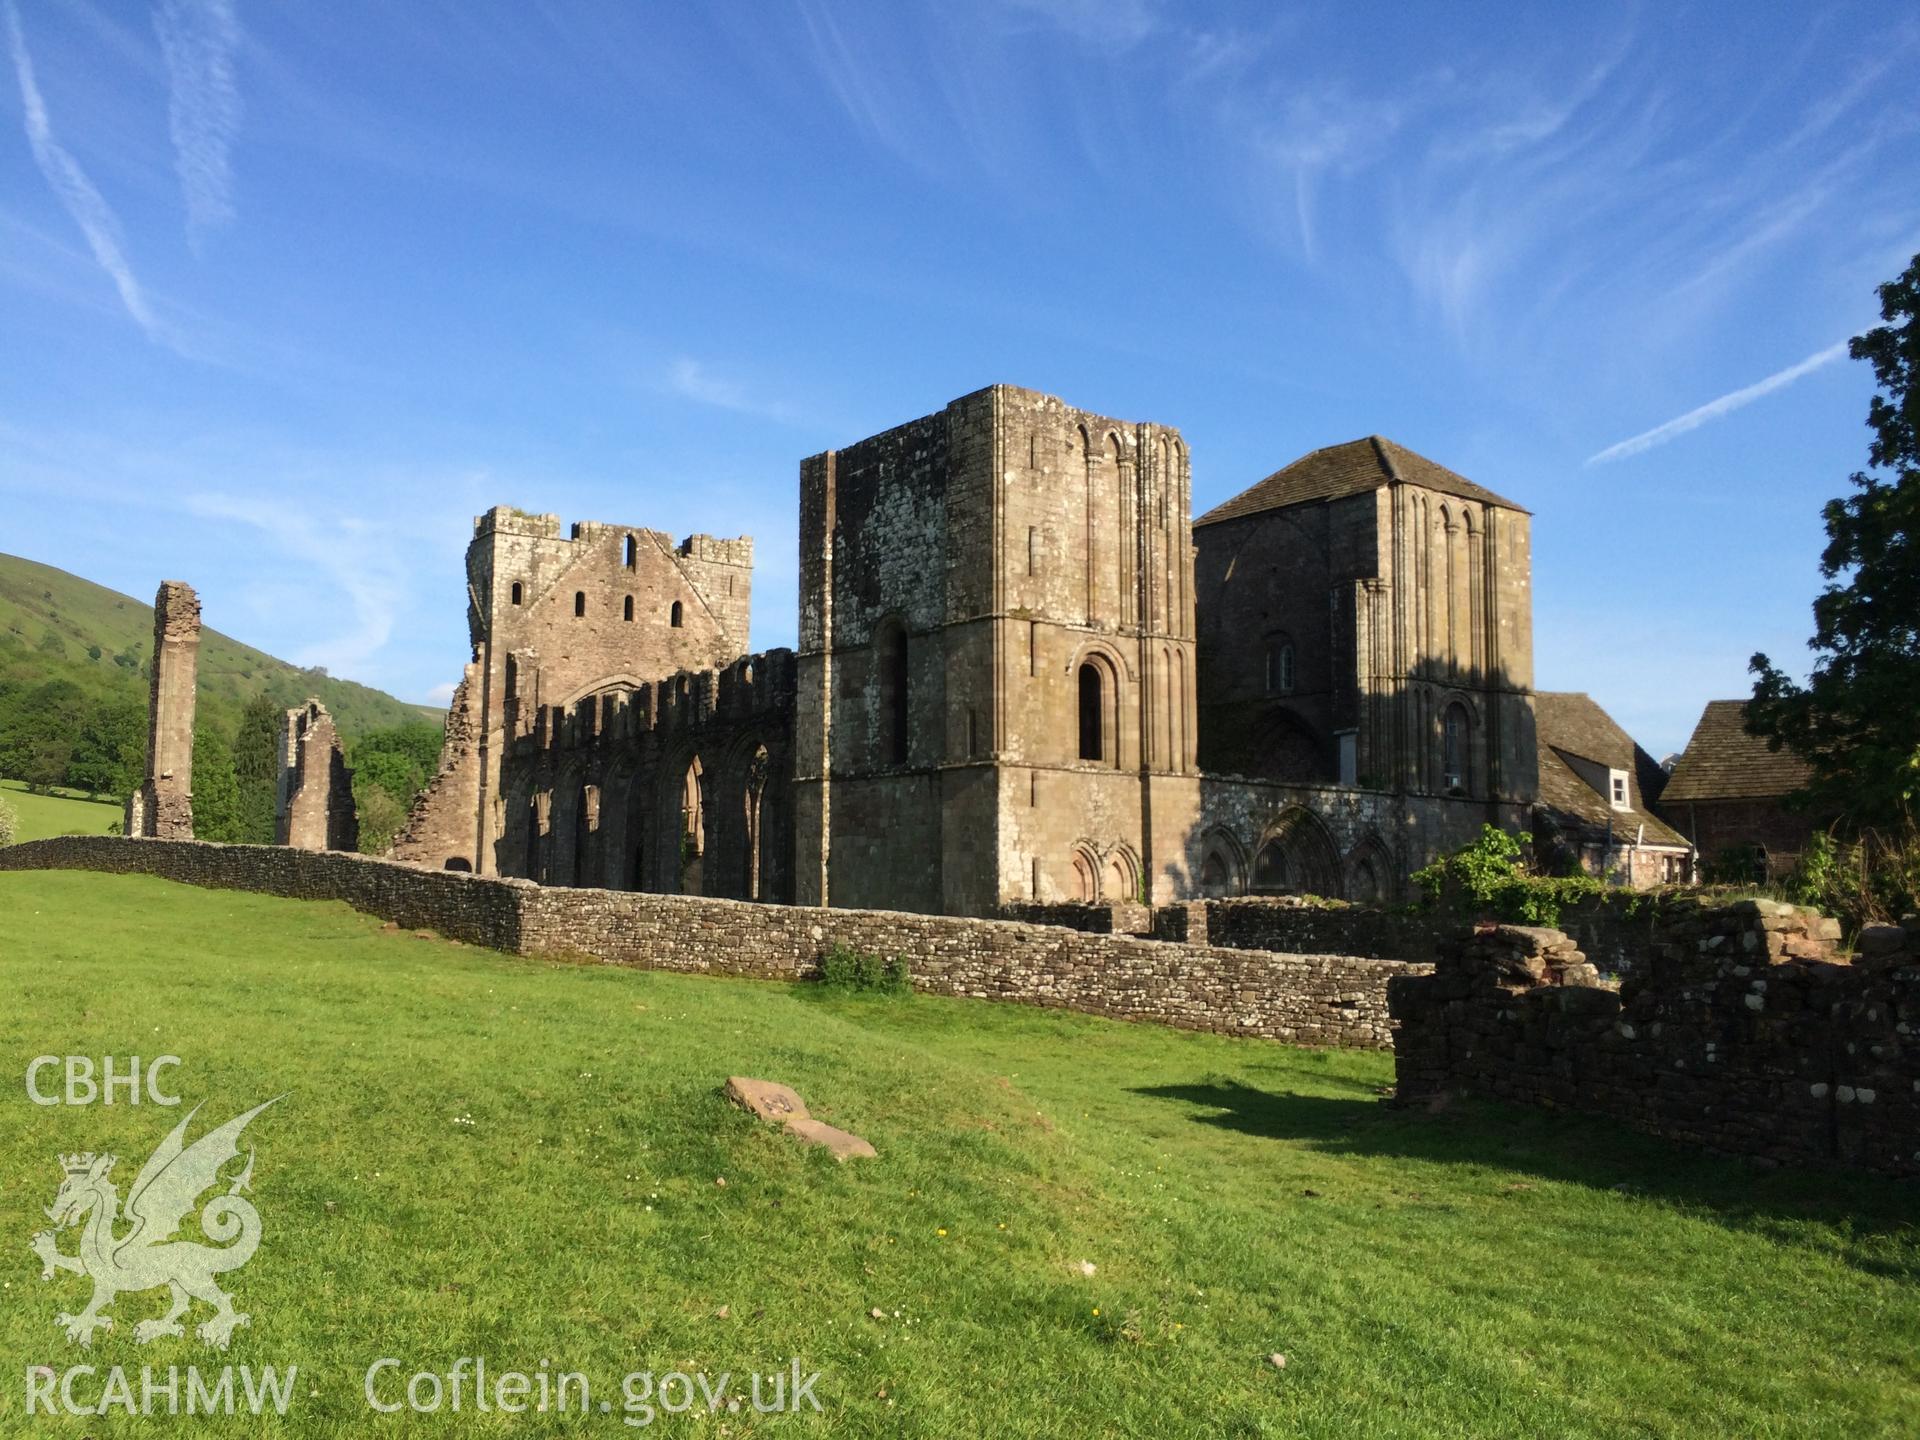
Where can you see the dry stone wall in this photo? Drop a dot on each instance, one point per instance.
(1332, 1000)
(1744, 1033)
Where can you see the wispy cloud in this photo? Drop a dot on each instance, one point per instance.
(1714, 409)
(692, 380)
(199, 39)
(346, 552)
(70, 184)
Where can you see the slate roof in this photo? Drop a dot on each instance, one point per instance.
(1570, 728)
(1350, 469)
(1723, 762)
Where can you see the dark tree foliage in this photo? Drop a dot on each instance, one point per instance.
(38, 727)
(110, 751)
(215, 795)
(390, 767)
(256, 771)
(1857, 720)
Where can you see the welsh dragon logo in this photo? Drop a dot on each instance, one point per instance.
(147, 1255)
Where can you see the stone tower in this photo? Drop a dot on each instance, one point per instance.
(996, 699)
(557, 618)
(1367, 622)
(162, 808)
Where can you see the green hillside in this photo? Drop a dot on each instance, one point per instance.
(56, 626)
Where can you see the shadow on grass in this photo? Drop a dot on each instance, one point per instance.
(1583, 1150)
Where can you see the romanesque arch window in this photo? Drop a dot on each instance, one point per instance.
(519, 592)
(676, 617)
(633, 553)
(1086, 877)
(693, 830)
(759, 770)
(585, 806)
(1279, 666)
(627, 609)
(1456, 750)
(513, 677)
(890, 657)
(579, 603)
(1092, 712)
(1122, 879)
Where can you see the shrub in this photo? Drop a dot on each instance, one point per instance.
(845, 968)
(9, 823)
(1864, 881)
(1487, 878)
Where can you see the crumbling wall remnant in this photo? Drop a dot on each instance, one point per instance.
(1743, 1033)
(315, 807)
(162, 808)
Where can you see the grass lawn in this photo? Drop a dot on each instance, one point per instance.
(484, 1156)
(67, 813)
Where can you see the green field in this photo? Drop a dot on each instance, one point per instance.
(42, 816)
(493, 1157)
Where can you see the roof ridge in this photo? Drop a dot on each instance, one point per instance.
(1379, 443)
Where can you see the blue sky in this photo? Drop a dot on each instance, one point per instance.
(290, 293)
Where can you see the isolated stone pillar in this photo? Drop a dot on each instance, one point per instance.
(162, 808)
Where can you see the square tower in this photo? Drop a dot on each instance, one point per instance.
(996, 698)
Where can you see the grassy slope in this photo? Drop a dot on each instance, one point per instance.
(42, 816)
(1481, 1272)
(36, 600)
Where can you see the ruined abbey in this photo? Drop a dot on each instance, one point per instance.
(1026, 677)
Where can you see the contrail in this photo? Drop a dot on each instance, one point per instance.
(69, 182)
(1714, 409)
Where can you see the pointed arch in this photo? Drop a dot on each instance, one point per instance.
(1372, 874)
(1223, 865)
(1297, 856)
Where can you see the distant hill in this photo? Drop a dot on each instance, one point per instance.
(56, 626)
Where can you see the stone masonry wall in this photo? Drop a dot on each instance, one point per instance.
(315, 809)
(163, 805)
(1616, 932)
(1744, 1034)
(1300, 999)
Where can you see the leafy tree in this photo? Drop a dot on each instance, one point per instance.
(216, 796)
(109, 753)
(256, 771)
(1857, 720)
(37, 730)
(390, 767)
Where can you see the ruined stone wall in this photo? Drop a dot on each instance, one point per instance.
(315, 808)
(683, 786)
(555, 618)
(162, 807)
(1744, 1033)
(1301, 999)
(442, 829)
(1616, 931)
